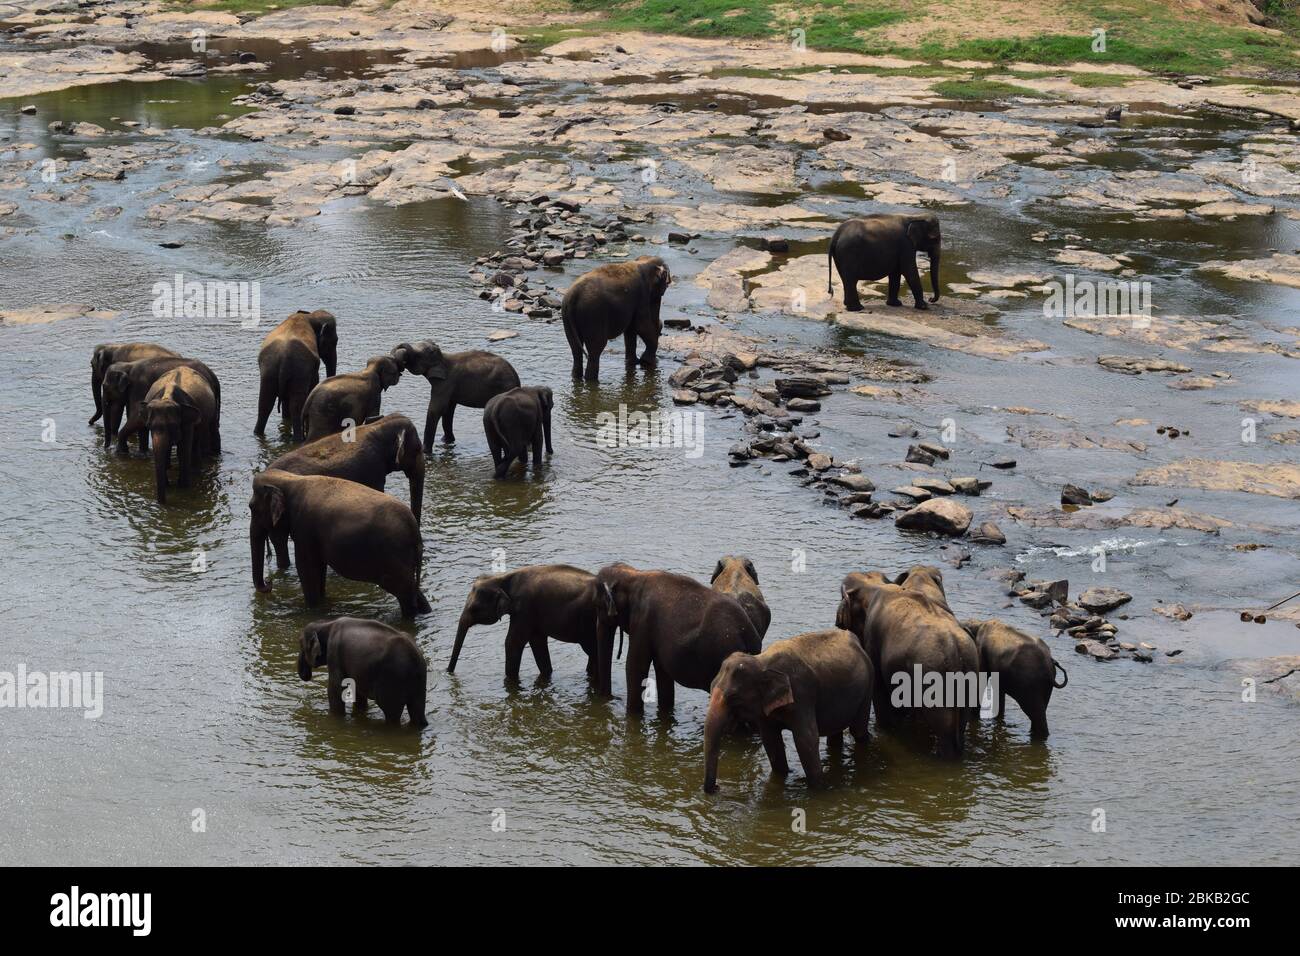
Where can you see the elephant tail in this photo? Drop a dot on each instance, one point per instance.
(619, 655)
(830, 258)
(1066, 676)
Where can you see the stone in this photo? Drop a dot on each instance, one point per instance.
(943, 515)
(1103, 600)
(1074, 495)
(684, 396)
(918, 455)
(853, 482)
(501, 335)
(936, 486)
(988, 533)
(1175, 612)
(819, 462)
(803, 405)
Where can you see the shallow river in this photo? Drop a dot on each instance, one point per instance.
(203, 707)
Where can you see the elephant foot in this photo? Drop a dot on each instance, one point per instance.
(894, 302)
(449, 439)
(922, 306)
(854, 306)
(263, 589)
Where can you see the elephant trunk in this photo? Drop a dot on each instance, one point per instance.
(97, 389)
(715, 723)
(934, 272)
(416, 477)
(462, 628)
(604, 654)
(162, 452)
(257, 539)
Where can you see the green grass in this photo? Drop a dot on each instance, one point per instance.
(982, 89)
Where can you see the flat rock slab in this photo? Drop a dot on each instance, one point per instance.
(938, 514)
(42, 314)
(1281, 480)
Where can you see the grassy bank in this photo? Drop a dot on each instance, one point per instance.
(1150, 34)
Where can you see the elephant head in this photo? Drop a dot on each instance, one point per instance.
(423, 358)
(745, 689)
(164, 417)
(408, 458)
(858, 592)
(117, 392)
(729, 559)
(311, 647)
(269, 520)
(327, 338)
(925, 579)
(924, 234)
(487, 603)
(655, 280)
(386, 369)
(613, 611)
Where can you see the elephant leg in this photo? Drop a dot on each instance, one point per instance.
(537, 449)
(335, 692)
(392, 710)
(946, 724)
(849, 280)
(431, 422)
(835, 742)
(311, 575)
(629, 346)
(1035, 708)
(185, 456)
(861, 726)
(575, 346)
(593, 361)
(589, 645)
(541, 654)
(637, 672)
(894, 284)
(448, 438)
(665, 688)
(282, 554)
(415, 703)
(295, 404)
(266, 396)
(914, 282)
(516, 641)
(142, 440)
(650, 357)
(1002, 705)
(214, 439)
(806, 742)
(775, 747)
(362, 702)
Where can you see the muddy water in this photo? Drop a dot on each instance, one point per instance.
(204, 709)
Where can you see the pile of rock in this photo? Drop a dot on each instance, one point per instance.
(1084, 619)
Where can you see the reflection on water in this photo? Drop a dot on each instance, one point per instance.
(204, 705)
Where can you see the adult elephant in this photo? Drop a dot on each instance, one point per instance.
(112, 353)
(737, 576)
(361, 533)
(375, 451)
(814, 685)
(181, 412)
(685, 629)
(910, 637)
(542, 601)
(455, 378)
(515, 421)
(353, 397)
(288, 365)
(127, 383)
(877, 246)
(1024, 667)
(620, 298)
(383, 664)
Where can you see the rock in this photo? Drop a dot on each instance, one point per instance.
(903, 430)
(918, 455)
(776, 244)
(1095, 649)
(835, 135)
(1136, 364)
(853, 482)
(802, 386)
(1074, 495)
(29, 110)
(1103, 600)
(1175, 612)
(1003, 463)
(803, 405)
(501, 334)
(680, 238)
(966, 486)
(684, 376)
(819, 462)
(553, 257)
(988, 533)
(913, 492)
(938, 451)
(684, 396)
(1035, 598)
(873, 510)
(943, 515)
(954, 555)
(936, 486)
(345, 111)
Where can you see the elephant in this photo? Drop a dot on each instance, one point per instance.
(124, 389)
(179, 410)
(902, 630)
(288, 365)
(813, 685)
(383, 664)
(620, 298)
(1024, 667)
(353, 397)
(881, 245)
(543, 600)
(685, 629)
(384, 446)
(112, 353)
(925, 579)
(455, 378)
(516, 420)
(737, 576)
(361, 533)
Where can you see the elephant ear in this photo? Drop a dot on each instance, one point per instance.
(972, 626)
(190, 413)
(606, 601)
(502, 606)
(717, 569)
(776, 691)
(547, 398)
(916, 233)
(751, 570)
(401, 446)
(275, 504)
(661, 278)
(311, 648)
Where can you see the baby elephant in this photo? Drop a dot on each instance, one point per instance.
(1025, 669)
(813, 685)
(516, 420)
(735, 575)
(384, 665)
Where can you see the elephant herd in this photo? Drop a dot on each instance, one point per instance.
(327, 497)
